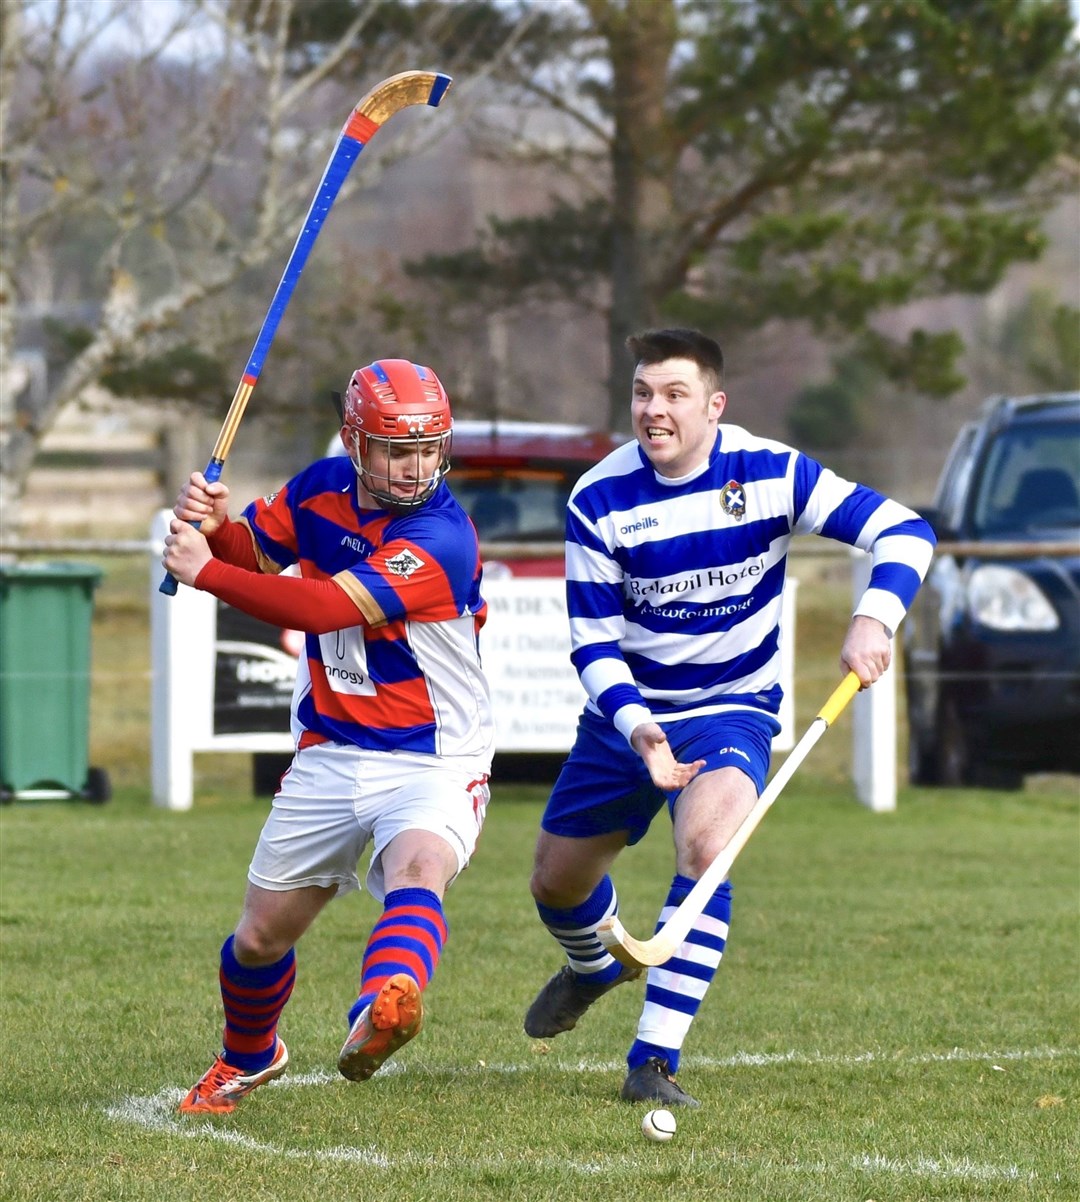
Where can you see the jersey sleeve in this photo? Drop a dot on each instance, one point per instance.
(423, 572)
(313, 606)
(233, 543)
(900, 542)
(272, 522)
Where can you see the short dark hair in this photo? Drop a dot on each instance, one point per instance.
(654, 346)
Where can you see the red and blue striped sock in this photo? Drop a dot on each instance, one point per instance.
(408, 938)
(253, 999)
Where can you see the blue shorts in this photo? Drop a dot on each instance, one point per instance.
(604, 785)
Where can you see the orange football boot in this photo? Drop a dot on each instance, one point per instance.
(388, 1023)
(223, 1085)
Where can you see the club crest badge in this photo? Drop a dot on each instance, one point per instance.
(733, 500)
(404, 564)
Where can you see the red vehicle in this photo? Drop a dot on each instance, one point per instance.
(513, 479)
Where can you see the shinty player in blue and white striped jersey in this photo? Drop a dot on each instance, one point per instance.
(676, 549)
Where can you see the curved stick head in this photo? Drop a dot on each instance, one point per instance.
(634, 953)
(401, 90)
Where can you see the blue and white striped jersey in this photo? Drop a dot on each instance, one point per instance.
(674, 586)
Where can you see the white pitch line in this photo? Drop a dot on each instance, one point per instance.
(948, 1167)
(157, 1112)
(550, 1062)
(945, 1168)
(756, 1059)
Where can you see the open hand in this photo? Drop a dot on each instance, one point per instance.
(650, 742)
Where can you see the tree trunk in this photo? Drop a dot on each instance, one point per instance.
(641, 34)
(12, 380)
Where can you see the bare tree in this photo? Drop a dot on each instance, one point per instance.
(152, 159)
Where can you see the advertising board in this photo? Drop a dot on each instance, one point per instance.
(223, 681)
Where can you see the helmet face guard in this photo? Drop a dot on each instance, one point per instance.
(398, 432)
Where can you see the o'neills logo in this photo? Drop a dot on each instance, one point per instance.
(733, 500)
(360, 545)
(713, 578)
(634, 527)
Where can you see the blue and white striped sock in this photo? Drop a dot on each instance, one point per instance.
(575, 929)
(674, 990)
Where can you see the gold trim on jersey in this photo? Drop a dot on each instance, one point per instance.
(266, 565)
(361, 598)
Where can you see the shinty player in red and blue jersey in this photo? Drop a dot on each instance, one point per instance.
(391, 714)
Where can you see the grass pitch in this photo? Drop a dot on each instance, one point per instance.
(896, 1018)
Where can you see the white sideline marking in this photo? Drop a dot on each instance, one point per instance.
(755, 1059)
(739, 1060)
(948, 1168)
(157, 1112)
(924, 1166)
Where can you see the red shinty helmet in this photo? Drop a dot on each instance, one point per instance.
(398, 402)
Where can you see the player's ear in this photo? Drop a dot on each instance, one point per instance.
(717, 404)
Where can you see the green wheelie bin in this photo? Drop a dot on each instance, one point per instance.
(45, 616)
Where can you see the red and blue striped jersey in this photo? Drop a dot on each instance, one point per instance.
(409, 677)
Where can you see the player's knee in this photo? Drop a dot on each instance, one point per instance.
(254, 945)
(556, 893)
(539, 889)
(542, 883)
(555, 882)
(424, 869)
(695, 858)
(424, 872)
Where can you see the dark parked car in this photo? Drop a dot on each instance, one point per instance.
(513, 478)
(992, 643)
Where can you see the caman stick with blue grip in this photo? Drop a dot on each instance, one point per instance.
(376, 108)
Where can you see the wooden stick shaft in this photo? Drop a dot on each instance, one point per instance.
(232, 421)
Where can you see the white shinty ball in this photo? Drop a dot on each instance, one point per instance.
(658, 1125)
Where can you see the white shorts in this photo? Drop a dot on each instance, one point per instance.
(335, 798)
